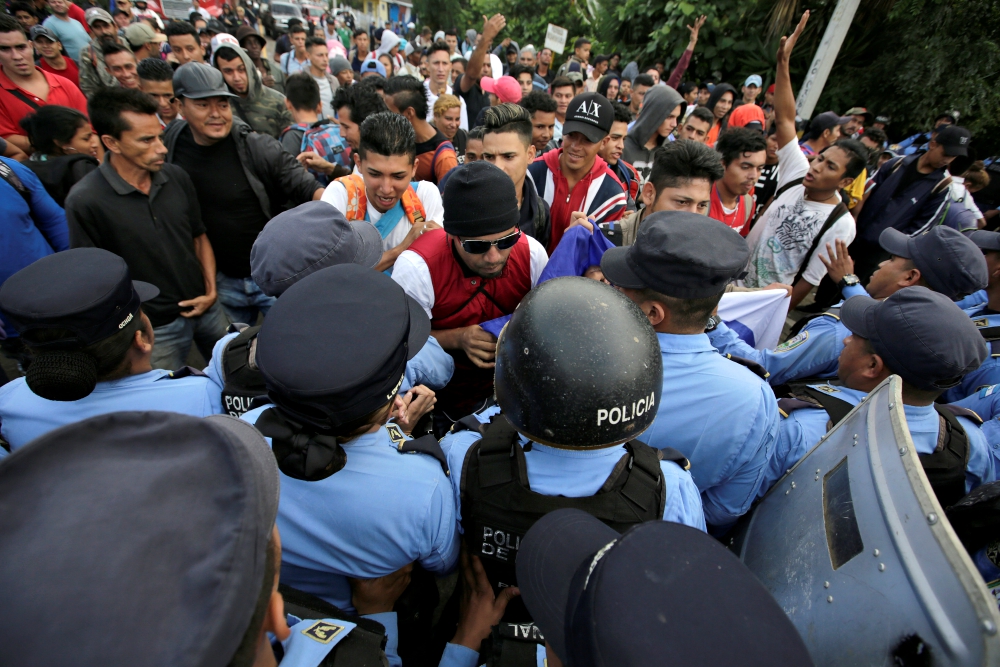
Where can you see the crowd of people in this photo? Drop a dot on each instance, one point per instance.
(458, 306)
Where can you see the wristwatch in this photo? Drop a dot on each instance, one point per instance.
(850, 280)
(712, 322)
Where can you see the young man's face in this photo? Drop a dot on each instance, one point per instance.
(473, 150)
(361, 41)
(440, 67)
(693, 195)
(489, 264)
(638, 94)
(723, 106)
(345, 77)
(579, 152)
(601, 69)
(655, 74)
(59, 7)
(694, 129)
(826, 172)
(349, 130)
(298, 42)
(542, 128)
(936, 157)
(508, 152)
(612, 150)
(122, 19)
(703, 95)
(210, 119)
(545, 57)
(750, 93)
(613, 89)
(103, 29)
(691, 96)
(253, 47)
(741, 174)
(524, 79)
(563, 96)
(856, 362)
(319, 57)
(583, 53)
(386, 178)
(122, 66)
(772, 148)
(47, 48)
(16, 54)
(26, 19)
(457, 69)
(186, 48)
(163, 93)
(669, 123)
(625, 89)
(235, 74)
(452, 42)
(888, 277)
(140, 144)
(870, 143)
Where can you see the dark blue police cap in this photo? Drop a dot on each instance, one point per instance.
(948, 260)
(661, 593)
(335, 345)
(921, 335)
(134, 538)
(680, 254)
(985, 240)
(86, 290)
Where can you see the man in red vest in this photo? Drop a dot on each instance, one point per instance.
(476, 269)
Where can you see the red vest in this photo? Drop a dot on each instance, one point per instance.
(463, 298)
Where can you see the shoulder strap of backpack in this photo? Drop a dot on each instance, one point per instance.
(747, 208)
(441, 146)
(838, 210)
(24, 98)
(784, 188)
(14, 181)
(836, 408)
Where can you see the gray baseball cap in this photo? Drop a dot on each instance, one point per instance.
(308, 238)
(985, 240)
(949, 261)
(921, 335)
(198, 81)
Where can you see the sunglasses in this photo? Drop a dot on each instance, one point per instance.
(480, 247)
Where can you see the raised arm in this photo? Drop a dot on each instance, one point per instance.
(474, 69)
(784, 98)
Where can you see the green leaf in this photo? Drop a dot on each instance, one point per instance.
(688, 9)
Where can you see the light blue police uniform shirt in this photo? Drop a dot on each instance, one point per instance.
(311, 640)
(431, 366)
(988, 373)
(802, 429)
(986, 404)
(382, 511)
(25, 416)
(719, 415)
(576, 473)
(974, 299)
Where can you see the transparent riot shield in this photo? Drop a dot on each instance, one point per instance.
(854, 546)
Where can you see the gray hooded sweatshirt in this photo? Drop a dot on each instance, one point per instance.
(656, 106)
(263, 108)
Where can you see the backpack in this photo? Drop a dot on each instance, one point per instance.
(322, 138)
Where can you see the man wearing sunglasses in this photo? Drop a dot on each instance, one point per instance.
(476, 269)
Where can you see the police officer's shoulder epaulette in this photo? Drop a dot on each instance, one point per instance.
(427, 444)
(237, 327)
(752, 366)
(671, 454)
(183, 372)
(468, 423)
(787, 406)
(959, 411)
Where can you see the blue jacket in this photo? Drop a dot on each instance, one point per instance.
(920, 205)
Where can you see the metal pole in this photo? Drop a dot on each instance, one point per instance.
(825, 56)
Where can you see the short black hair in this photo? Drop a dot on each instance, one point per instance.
(876, 135)
(580, 41)
(679, 161)
(560, 82)
(643, 80)
(702, 114)
(315, 41)
(600, 59)
(23, 7)
(360, 31)
(302, 91)
(508, 117)
(686, 88)
(296, 28)
(155, 69)
(387, 133)
(451, 31)
(226, 53)
(407, 93)
(52, 123)
(476, 133)
(360, 100)
(10, 24)
(460, 60)
(622, 114)
(107, 105)
(518, 69)
(536, 100)
(857, 154)
(111, 48)
(178, 28)
(438, 45)
(736, 141)
(684, 312)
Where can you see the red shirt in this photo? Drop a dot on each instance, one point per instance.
(76, 12)
(13, 109)
(71, 73)
(739, 218)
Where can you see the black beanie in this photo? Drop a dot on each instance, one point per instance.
(479, 200)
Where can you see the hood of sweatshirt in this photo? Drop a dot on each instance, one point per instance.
(254, 82)
(656, 106)
(389, 40)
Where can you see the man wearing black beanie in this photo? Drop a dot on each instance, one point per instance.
(476, 269)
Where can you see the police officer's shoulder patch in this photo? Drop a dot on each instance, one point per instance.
(987, 390)
(825, 388)
(981, 322)
(395, 434)
(793, 342)
(323, 631)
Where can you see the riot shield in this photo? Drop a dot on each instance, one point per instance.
(854, 546)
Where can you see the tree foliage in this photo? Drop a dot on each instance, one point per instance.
(444, 14)
(527, 20)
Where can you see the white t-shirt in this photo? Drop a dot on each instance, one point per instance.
(781, 239)
(432, 98)
(412, 274)
(336, 195)
(325, 95)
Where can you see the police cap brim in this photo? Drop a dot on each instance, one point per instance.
(420, 328)
(146, 291)
(615, 266)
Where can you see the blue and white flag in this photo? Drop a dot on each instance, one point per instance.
(756, 317)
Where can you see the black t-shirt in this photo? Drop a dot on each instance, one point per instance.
(767, 184)
(431, 144)
(459, 141)
(475, 99)
(910, 176)
(229, 207)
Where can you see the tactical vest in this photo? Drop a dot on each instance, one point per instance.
(243, 381)
(833, 312)
(944, 467)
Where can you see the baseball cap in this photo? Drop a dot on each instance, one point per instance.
(941, 343)
(953, 114)
(747, 115)
(41, 31)
(954, 139)
(859, 111)
(506, 88)
(825, 121)
(590, 114)
(985, 240)
(949, 262)
(754, 80)
(770, 89)
(95, 538)
(224, 39)
(97, 14)
(198, 81)
(214, 26)
(373, 66)
(575, 77)
(141, 33)
(680, 254)
(312, 236)
(592, 592)
(88, 291)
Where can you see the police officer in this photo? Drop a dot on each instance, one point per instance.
(353, 503)
(577, 381)
(72, 584)
(693, 604)
(943, 260)
(715, 411)
(923, 337)
(293, 245)
(79, 313)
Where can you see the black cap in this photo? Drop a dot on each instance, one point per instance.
(680, 254)
(825, 121)
(940, 343)
(479, 200)
(88, 291)
(661, 593)
(198, 81)
(335, 345)
(954, 139)
(307, 238)
(985, 240)
(166, 545)
(590, 114)
(949, 261)
(215, 26)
